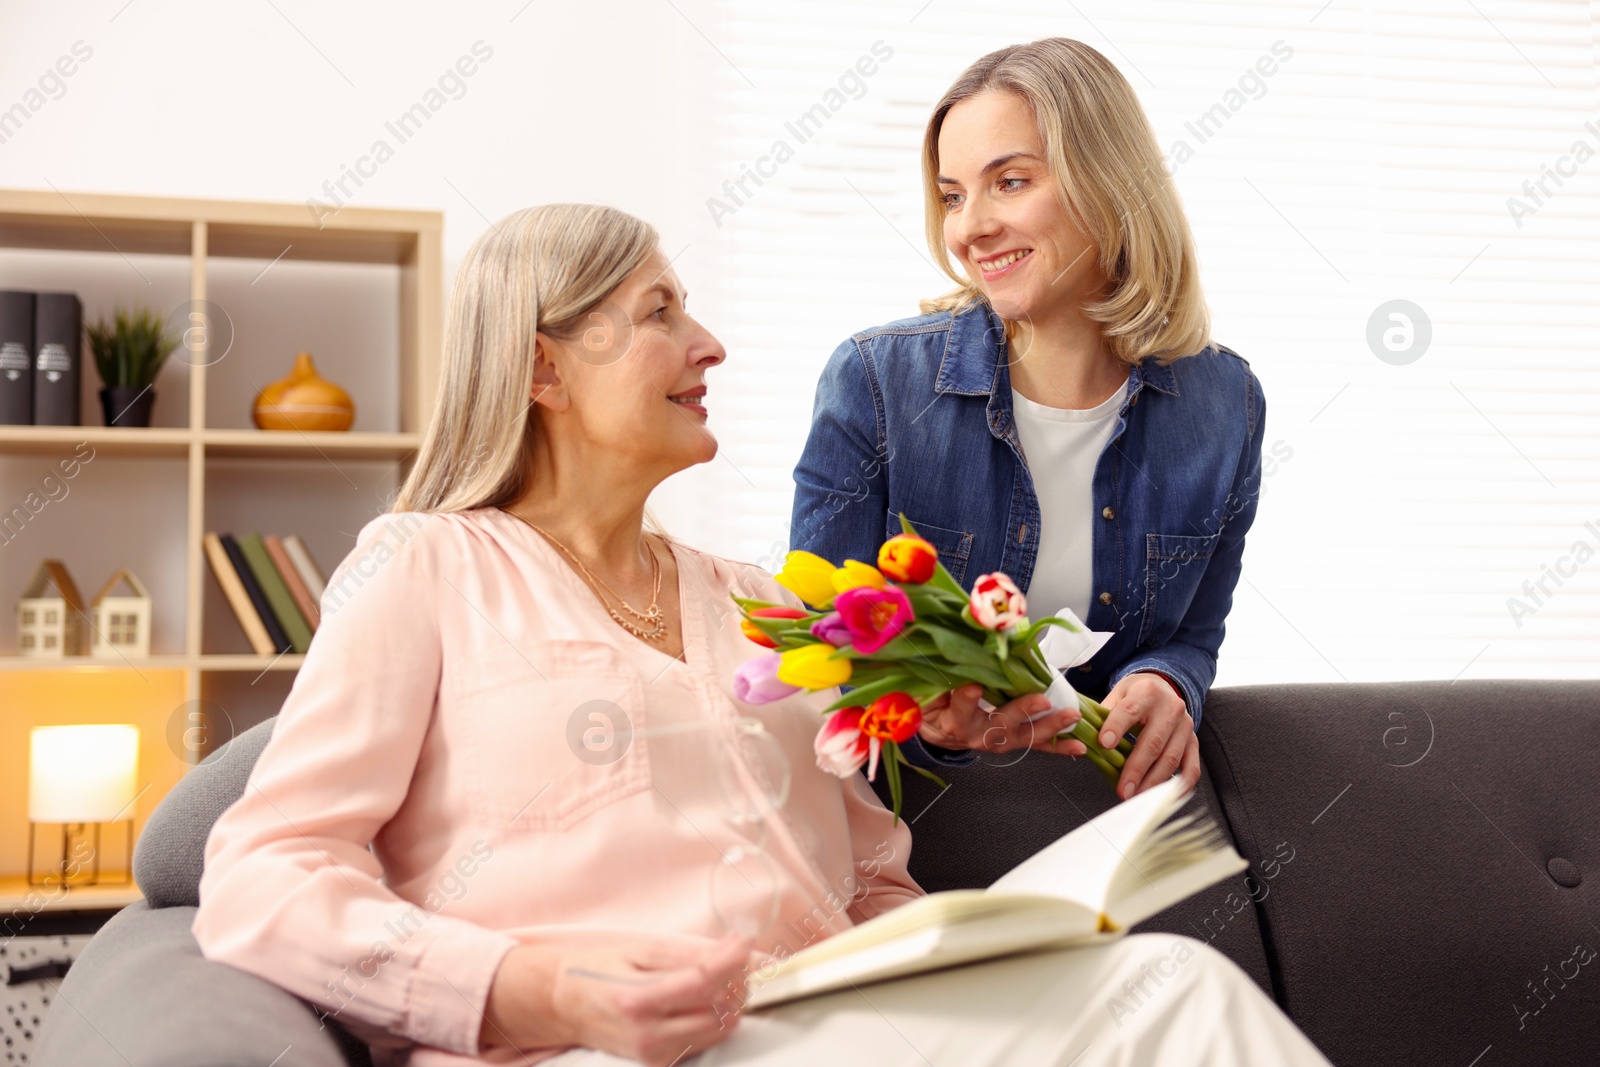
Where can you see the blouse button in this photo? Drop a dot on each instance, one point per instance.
(1107, 512)
(1105, 598)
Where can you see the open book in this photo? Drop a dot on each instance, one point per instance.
(1111, 873)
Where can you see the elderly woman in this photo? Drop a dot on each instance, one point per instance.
(512, 811)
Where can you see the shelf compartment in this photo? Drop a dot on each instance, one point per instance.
(156, 703)
(67, 231)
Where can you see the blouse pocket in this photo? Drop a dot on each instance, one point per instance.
(1174, 565)
(953, 546)
(554, 732)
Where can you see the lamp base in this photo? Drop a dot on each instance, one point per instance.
(66, 872)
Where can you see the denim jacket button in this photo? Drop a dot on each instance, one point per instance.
(1022, 534)
(1105, 598)
(1086, 668)
(1107, 512)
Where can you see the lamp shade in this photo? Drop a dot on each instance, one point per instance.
(82, 773)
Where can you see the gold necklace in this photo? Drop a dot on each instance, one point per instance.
(653, 618)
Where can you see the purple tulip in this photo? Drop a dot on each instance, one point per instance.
(831, 628)
(756, 680)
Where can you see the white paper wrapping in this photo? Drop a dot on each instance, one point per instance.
(1063, 648)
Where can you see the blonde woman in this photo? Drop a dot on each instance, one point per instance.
(1061, 416)
(513, 808)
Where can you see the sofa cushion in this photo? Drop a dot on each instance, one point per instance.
(170, 854)
(142, 995)
(1442, 895)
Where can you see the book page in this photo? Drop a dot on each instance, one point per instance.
(967, 927)
(1083, 865)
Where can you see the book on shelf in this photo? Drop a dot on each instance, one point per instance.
(282, 603)
(292, 578)
(310, 573)
(238, 595)
(1118, 869)
(16, 357)
(58, 342)
(268, 588)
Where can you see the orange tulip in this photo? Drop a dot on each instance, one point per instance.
(892, 717)
(753, 632)
(908, 558)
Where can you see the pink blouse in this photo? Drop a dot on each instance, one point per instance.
(474, 755)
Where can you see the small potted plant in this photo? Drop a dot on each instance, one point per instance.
(129, 355)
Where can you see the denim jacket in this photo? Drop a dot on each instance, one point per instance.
(916, 417)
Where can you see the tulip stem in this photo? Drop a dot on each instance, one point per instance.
(1110, 772)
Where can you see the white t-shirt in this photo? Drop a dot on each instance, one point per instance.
(1062, 446)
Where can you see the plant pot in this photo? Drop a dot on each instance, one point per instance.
(127, 405)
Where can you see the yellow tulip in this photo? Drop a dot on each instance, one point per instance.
(813, 667)
(855, 574)
(809, 577)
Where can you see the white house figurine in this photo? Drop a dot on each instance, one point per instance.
(50, 617)
(122, 623)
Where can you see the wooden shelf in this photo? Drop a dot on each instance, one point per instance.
(226, 444)
(116, 440)
(157, 692)
(17, 896)
(212, 662)
(285, 444)
(95, 222)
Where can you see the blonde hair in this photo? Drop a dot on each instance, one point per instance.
(1113, 182)
(539, 269)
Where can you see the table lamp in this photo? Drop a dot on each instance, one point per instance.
(81, 776)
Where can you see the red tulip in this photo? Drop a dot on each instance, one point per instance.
(997, 603)
(840, 745)
(908, 558)
(753, 632)
(892, 717)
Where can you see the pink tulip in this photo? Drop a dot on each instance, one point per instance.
(831, 628)
(997, 603)
(756, 680)
(840, 745)
(874, 616)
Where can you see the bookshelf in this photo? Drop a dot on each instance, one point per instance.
(212, 467)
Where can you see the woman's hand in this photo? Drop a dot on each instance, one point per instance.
(1166, 744)
(651, 1001)
(955, 721)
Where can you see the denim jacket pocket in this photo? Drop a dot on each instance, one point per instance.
(1174, 565)
(953, 546)
(554, 732)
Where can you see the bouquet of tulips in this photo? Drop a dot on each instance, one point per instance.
(903, 633)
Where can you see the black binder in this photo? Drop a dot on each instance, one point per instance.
(16, 357)
(58, 344)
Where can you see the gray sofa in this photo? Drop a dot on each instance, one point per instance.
(1424, 884)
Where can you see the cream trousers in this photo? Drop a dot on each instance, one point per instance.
(1142, 1000)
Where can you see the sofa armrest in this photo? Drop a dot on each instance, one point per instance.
(142, 995)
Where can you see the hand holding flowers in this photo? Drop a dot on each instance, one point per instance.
(903, 634)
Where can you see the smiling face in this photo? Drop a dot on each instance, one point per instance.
(1004, 219)
(631, 381)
